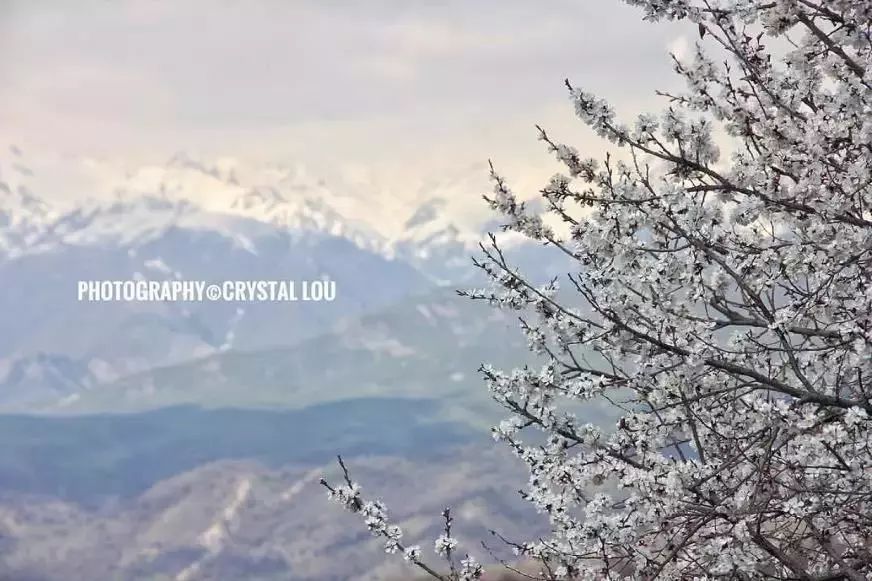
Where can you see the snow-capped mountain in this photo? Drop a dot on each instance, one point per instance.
(39, 310)
(183, 220)
(435, 244)
(23, 215)
(285, 197)
(431, 227)
(135, 222)
(434, 229)
(127, 208)
(192, 220)
(182, 193)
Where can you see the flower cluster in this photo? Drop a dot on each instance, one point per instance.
(719, 313)
(375, 517)
(722, 314)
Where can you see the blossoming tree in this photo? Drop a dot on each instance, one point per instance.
(721, 302)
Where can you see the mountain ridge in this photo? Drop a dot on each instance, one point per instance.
(288, 198)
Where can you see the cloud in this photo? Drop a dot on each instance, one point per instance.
(311, 76)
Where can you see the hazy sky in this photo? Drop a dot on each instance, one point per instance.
(381, 82)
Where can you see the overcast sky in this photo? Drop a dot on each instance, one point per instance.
(418, 84)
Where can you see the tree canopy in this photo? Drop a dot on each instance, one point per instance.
(720, 300)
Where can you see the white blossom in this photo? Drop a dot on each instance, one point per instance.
(444, 544)
(412, 553)
(720, 305)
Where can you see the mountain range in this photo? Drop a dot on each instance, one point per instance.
(233, 519)
(131, 206)
(183, 440)
(192, 220)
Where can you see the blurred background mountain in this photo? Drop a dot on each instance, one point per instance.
(185, 440)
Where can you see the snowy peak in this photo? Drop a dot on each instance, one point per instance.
(259, 199)
(432, 242)
(17, 203)
(427, 213)
(284, 197)
(431, 226)
(130, 205)
(302, 211)
(132, 223)
(183, 192)
(23, 215)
